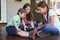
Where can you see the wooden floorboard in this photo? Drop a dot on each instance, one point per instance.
(4, 36)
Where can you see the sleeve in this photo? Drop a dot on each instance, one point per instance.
(23, 22)
(52, 13)
(16, 18)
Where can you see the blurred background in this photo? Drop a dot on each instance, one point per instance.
(9, 8)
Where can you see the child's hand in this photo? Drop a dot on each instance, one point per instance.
(31, 27)
(19, 29)
(40, 24)
(25, 28)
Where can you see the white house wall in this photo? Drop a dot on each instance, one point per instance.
(3, 11)
(13, 6)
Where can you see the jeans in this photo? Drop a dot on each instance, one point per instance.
(11, 30)
(49, 28)
(28, 26)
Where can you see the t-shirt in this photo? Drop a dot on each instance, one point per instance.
(25, 21)
(56, 19)
(16, 18)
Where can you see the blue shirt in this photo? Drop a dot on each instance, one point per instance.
(56, 19)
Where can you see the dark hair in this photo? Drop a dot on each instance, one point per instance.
(21, 10)
(26, 5)
(30, 15)
(44, 4)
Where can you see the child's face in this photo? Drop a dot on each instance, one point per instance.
(22, 15)
(42, 10)
(28, 9)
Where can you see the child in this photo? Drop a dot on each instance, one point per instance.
(28, 23)
(13, 25)
(53, 25)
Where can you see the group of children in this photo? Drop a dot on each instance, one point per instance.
(23, 23)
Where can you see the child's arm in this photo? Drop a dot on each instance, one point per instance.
(51, 20)
(24, 25)
(16, 26)
(40, 24)
(52, 14)
(32, 24)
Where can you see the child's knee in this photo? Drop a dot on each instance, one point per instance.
(11, 30)
(55, 32)
(47, 26)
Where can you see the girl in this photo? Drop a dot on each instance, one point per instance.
(53, 25)
(13, 25)
(28, 23)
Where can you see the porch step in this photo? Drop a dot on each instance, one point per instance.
(2, 24)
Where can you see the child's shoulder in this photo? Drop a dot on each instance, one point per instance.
(16, 16)
(51, 10)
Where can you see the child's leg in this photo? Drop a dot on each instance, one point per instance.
(50, 28)
(21, 26)
(35, 24)
(11, 30)
(23, 33)
(29, 25)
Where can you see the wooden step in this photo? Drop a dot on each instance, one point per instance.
(2, 24)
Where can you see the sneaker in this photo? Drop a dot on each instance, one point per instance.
(31, 35)
(43, 34)
(34, 33)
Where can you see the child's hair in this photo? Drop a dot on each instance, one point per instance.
(30, 15)
(26, 5)
(44, 4)
(21, 10)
